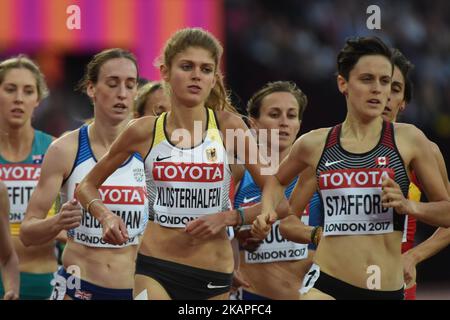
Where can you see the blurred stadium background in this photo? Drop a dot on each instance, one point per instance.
(264, 40)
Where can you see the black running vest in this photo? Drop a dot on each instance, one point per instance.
(350, 185)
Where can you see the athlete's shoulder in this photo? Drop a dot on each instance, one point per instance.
(317, 133)
(435, 148)
(65, 144)
(309, 143)
(409, 132)
(141, 127)
(67, 137)
(406, 128)
(61, 153)
(314, 137)
(229, 120)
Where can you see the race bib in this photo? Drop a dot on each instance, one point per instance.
(276, 248)
(127, 202)
(352, 202)
(186, 191)
(21, 180)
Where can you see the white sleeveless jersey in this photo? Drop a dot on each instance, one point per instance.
(124, 193)
(186, 183)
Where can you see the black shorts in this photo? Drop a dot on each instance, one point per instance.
(341, 290)
(183, 282)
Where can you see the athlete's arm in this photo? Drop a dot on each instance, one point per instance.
(301, 194)
(9, 262)
(424, 164)
(438, 241)
(441, 164)
(210, 224)
(242, 147)
(136, 137)
(291, 227)
(238, 280)
(303, 191)
(237, 172)
(36, 228)
(299, 158)
(441, 237)
(252, 212)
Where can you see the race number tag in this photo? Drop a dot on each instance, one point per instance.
(310, 278)
(20, 179)
(352, 202)
(276, 248)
